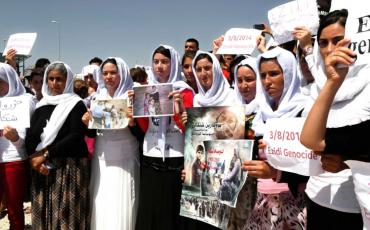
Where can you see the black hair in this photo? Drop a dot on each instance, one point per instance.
(188, 54)
(234, 62)
(200, 148)
(95, 60)
(202, 56)
(109, 60)
(138, 74)
(289, 46)
(263, 59)
(35, 73)
(193, 40)
(336, 16)
(163, 51)
(42, 63)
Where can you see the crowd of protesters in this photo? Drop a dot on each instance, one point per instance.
(131, 178)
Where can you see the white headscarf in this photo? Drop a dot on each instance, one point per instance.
(64, 102)
(251, 63)
(94, 70)
(351, 104)
(125, 83)
(10, 76)
(176, 79)
(220, 93)
(175, 75)
(291, 100)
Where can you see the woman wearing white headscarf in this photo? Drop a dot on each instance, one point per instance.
(337, 125)
(55, 141)
(278, 204)
(13, 170)
(91, 75)
(213, 88)
(163, 149)
(115, 166)
(245, 81)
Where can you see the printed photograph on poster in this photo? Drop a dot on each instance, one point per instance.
(204, 124)
(108, 114)
(210, 211)
(153, 101)
(223, 176)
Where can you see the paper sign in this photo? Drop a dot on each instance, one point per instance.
(284, 151)
(361, 179)
(239, 41)
(21, 42)
(284, 18)
(358, 30)
(14, 112)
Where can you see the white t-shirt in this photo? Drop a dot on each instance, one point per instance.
(334, 191)
(13, 151)
(174, 140)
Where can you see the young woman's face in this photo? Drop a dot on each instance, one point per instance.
(246, 81)
(56, 82)
(188, 70)
(272, 79)
(36, 82)
(162, 67)
(204, 71)
(89, 79)
(111, 76)
(4, 88)
(329, 37)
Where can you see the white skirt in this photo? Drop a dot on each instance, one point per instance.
(114, 184)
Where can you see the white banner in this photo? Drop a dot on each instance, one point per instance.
(361, 179)
(358, 30)
(14, 111)
(285, 152)
(21, 42)
(239, 41)
(284, 18)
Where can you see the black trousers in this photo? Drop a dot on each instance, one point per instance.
(319, 217)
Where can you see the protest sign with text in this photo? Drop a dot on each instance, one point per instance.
(361, 180)
(12, 112)
(284, 18)
(358, 30)
(285, 152)
(21, 42)
(239, 41)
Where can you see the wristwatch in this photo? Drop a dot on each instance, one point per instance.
(46, 153)
(308, 50)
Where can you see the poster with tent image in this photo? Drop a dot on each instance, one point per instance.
(108, 114)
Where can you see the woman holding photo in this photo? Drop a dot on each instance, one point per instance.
(115, 165)
(278, 204)
(163, 160)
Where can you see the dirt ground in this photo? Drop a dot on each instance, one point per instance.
(4, 223)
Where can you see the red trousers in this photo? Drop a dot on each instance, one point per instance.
(13, 182)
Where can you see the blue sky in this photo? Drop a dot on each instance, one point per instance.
(127, 29)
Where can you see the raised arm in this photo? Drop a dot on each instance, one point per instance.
(314, 129)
